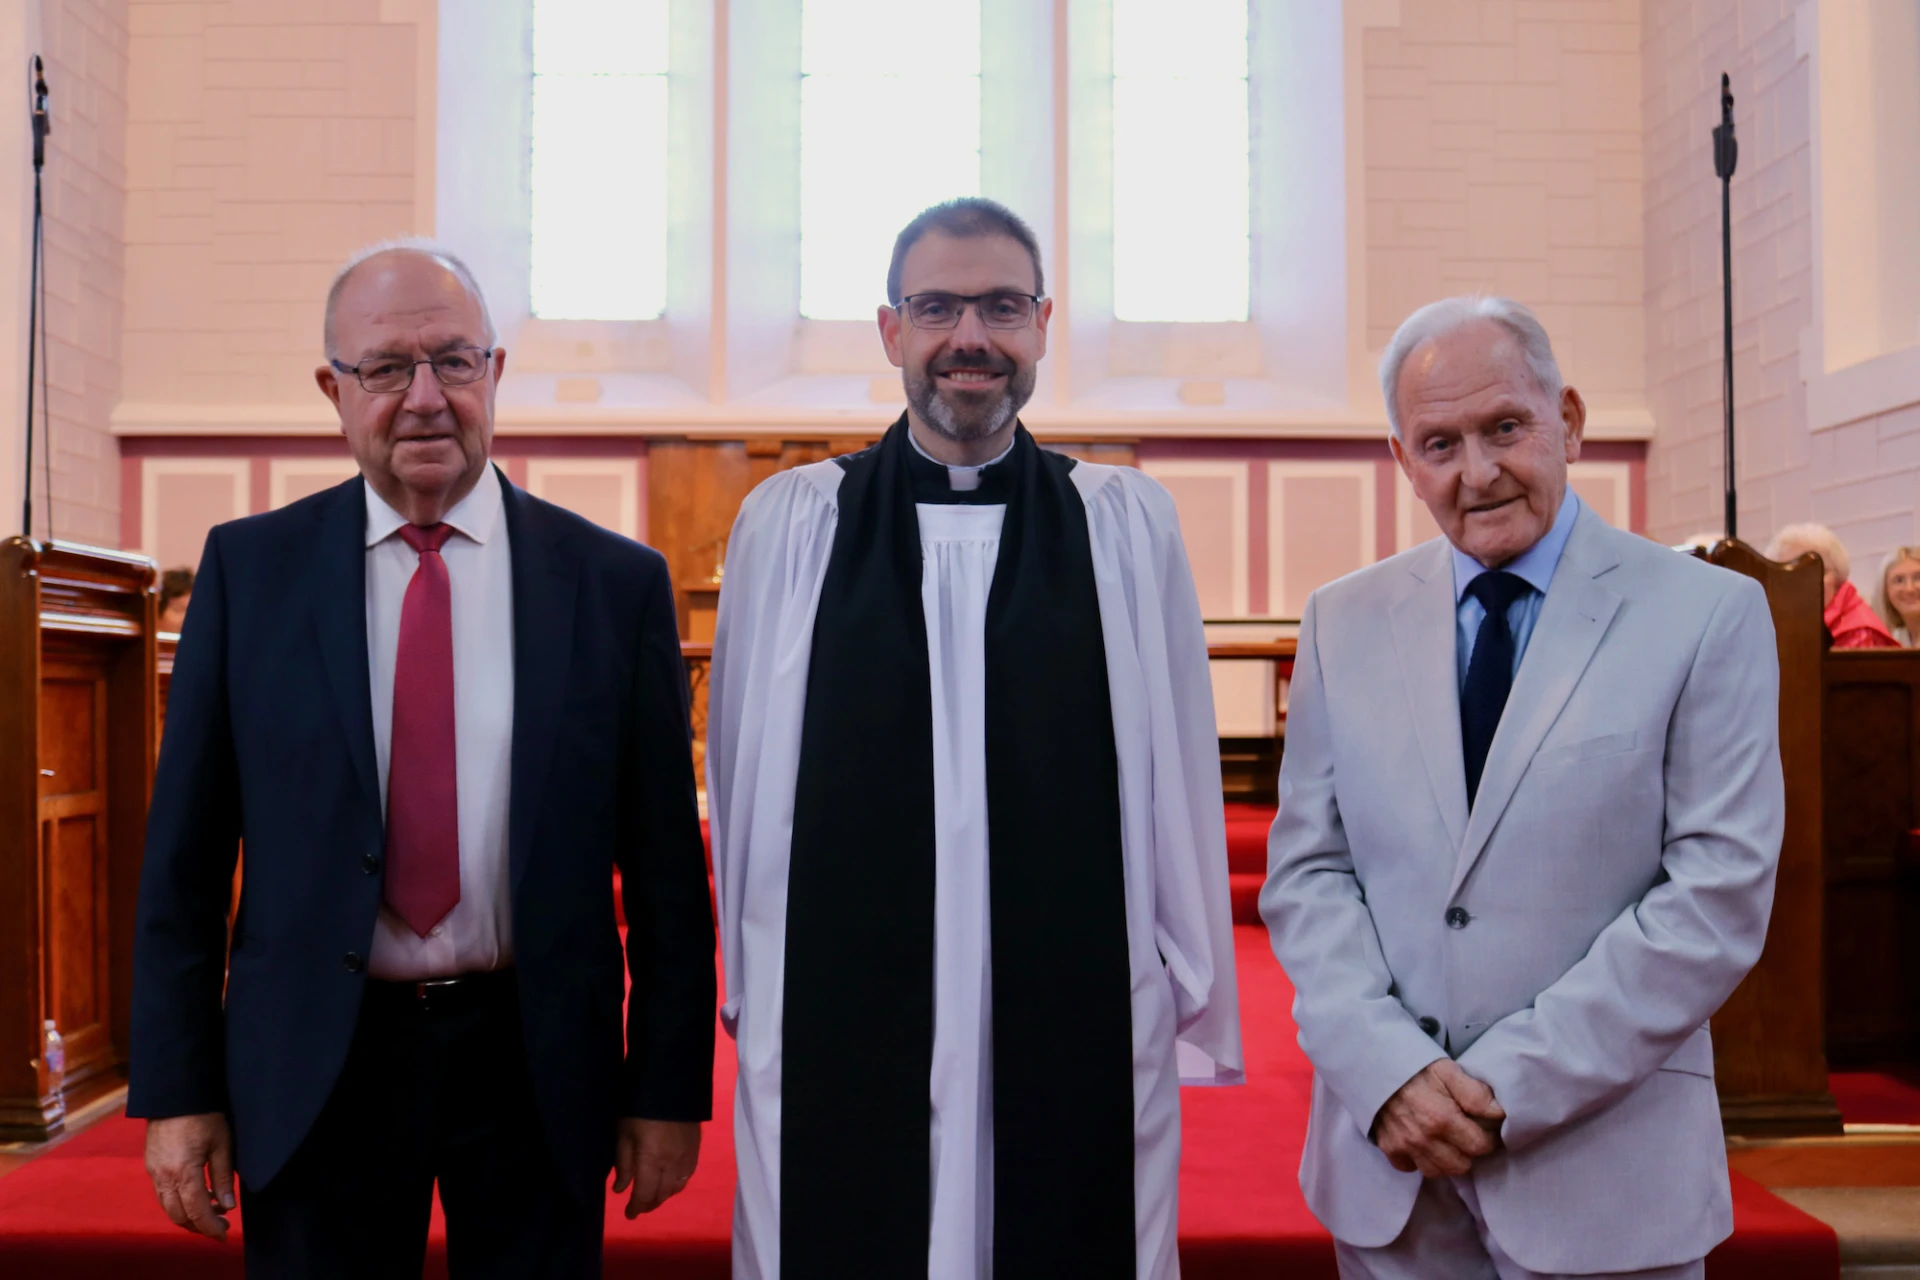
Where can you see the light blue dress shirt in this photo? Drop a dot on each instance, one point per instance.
(1536, 564)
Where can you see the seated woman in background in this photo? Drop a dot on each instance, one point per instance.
(176, 589)
(1897, 598)
(1850, 620)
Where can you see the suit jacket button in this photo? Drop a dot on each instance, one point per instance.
(369, 863)
(1457, 917)
(353, 962)
(1430, 1025)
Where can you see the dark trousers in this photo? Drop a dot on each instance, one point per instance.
(433, 1090)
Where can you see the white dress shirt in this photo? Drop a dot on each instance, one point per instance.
(478, 933)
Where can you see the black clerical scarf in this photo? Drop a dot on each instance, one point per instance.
(855, 1180)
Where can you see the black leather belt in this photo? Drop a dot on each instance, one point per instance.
(444, 995)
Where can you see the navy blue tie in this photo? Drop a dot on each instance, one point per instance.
(1489, 671)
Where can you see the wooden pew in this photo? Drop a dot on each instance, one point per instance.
(1769, 1039)
(77, 738)
(1870, 769)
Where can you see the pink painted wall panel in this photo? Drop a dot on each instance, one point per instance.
(1601, 492)
(185, 507)
(1323, 532)
(1207, 523)
(597, 497)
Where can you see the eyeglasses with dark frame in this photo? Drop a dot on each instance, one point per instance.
(384, 375)
(1001, 309)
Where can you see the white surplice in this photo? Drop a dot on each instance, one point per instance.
(1179, 931)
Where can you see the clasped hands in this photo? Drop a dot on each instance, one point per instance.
(190, 1160)
(1439, 1122)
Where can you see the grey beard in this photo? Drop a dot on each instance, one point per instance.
(940, 415)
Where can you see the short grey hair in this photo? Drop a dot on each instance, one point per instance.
(1438, 319)
(1795, 540)
(419, 246)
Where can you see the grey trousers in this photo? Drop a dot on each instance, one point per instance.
(1446, 1238)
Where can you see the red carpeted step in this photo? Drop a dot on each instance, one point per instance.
(1245, 889)
(85, 1209)
(1877, 1097)
(1247, 827)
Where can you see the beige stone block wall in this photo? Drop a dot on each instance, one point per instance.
(1503, 155)
(1862, 478)
(1686, 48)
(85, 46)
(267, 141)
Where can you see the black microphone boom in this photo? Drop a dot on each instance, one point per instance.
(1726, 154)
(42, 125)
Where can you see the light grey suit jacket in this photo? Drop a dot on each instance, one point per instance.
(1616, 870)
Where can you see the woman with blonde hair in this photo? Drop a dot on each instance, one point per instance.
(1896, 597)
(1850, 620)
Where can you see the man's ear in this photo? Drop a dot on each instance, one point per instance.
(329, 383)
(1399, 452)
(888, 318)
(1573, 414)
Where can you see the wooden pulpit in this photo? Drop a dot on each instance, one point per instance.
(699, 611)
(77, 748)
(1769, 1039)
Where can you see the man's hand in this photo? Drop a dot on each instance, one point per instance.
(1439, 1122)
(657, 1157)
(190, 1159)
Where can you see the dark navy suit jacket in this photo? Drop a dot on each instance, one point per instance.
(269, 741)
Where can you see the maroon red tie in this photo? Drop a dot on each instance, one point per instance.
(423, 819)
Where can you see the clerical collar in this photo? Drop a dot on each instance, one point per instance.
(936, 482)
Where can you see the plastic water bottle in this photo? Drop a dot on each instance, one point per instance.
(56, 1059)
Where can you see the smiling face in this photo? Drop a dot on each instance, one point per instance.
(421, 449)
(1903, 592)
(965, 385)
(1482, 443)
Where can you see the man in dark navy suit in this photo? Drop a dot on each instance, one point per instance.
(433, 790)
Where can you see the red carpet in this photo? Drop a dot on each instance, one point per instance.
(85, 1209)
(1877, 1097)
(1247, 827)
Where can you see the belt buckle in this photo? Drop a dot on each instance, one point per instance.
(423, 992)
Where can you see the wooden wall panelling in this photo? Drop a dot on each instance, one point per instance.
(1769, 1039)
(77, 708)
(1871, 775)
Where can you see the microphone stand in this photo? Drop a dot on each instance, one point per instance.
(1726, 154)
(42, 125)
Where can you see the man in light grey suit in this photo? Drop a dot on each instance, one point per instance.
(1530, 811)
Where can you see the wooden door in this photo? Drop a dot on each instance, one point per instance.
(75, 835)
